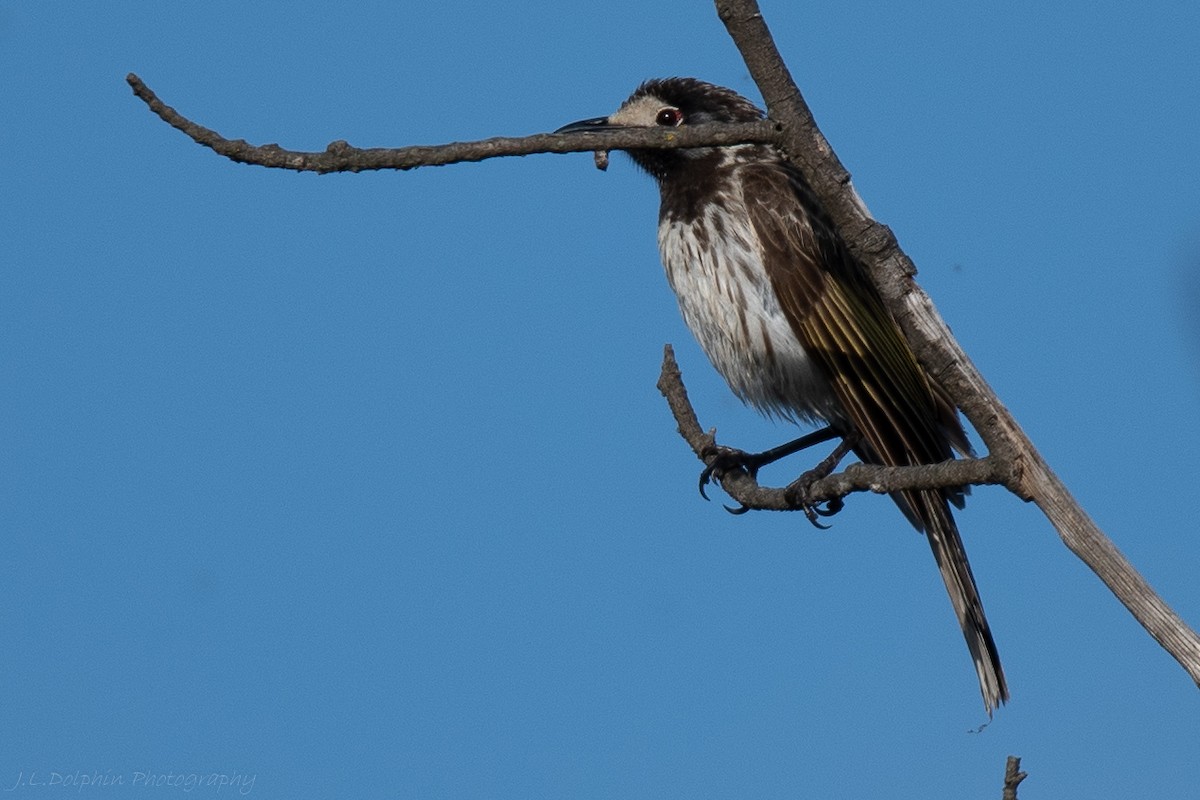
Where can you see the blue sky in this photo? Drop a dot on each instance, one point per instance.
(359, 485)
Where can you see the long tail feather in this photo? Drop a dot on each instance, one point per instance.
(951, 557)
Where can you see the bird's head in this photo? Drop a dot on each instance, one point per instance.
(669, 103)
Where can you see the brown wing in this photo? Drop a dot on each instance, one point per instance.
(837, 315)
(842, 323)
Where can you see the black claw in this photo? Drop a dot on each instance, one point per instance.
(741, 509)
(725, 459)
(798, 490)
(831, 507)
(810, 513)
(797, 495)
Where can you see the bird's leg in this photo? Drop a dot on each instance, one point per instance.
(797, 491)
(722, 459)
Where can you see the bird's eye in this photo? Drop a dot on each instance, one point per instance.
(670, 117)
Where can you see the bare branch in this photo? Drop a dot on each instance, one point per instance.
(1012, 778)
(340, 156)
(1027, 474)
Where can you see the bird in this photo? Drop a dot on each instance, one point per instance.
(792, 321)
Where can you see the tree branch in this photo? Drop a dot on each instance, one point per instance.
(340, 156)
(1012, 778)
(1026, 473)
(745, 488)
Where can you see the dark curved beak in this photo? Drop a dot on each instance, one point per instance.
(594, 124)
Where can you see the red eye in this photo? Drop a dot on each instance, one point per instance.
(671, 117)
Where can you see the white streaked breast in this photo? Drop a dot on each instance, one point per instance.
(714, 265)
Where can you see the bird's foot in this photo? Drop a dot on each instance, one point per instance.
(721, 461)
(799, 491)
(730, 459)
(798, 494)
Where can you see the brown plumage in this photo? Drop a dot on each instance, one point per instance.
(791, 320)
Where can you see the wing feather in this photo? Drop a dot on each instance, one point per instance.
(886, 396)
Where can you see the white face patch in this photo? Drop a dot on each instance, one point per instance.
(640, 112)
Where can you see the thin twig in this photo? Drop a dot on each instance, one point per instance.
(340, 156)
